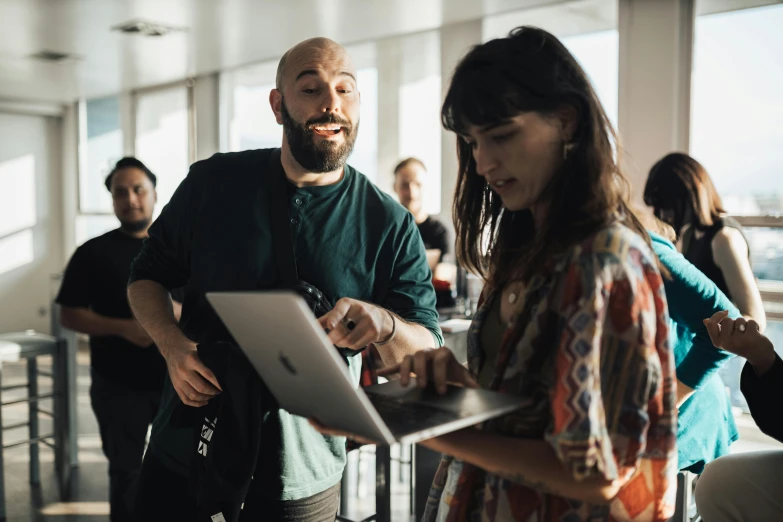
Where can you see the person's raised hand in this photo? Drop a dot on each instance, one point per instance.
(741, 337)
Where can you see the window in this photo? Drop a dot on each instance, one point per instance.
(101, 147)
(161, 142)
(162, 130)
(588, 28)
(247, 120)
(735, 120)
(598, 54)
(17, 212)
(420, 101)
(365, 152)
(766, 251)
(737, 108)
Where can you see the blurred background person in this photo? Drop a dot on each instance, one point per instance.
(681, 193)
(126, 368)
(409, 182)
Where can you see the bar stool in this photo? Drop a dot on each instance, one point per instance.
(29, 346)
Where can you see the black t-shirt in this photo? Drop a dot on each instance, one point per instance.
(699, 251)
(97, 278)
(434, 235)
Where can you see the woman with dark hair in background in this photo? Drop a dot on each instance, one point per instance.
(574, 318)
(683, 195)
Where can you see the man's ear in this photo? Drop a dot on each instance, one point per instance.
(276, 102)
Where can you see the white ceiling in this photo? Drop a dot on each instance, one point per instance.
(218, 35)
(224, 34)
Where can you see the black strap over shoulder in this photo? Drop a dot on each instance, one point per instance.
(285, 257)
(283, 244)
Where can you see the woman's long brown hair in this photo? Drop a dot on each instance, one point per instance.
(531, 71)
(680, 184)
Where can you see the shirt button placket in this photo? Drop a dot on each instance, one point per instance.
(296, 211)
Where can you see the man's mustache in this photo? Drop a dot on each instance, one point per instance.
(329, 118)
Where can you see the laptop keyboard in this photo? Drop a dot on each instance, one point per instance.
(405, 417)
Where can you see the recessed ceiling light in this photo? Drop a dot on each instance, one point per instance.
(146, 28)
(48, 55)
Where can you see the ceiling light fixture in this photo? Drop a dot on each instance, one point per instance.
(146, 28)
(47, 55)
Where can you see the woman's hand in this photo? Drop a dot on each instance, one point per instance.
(438, 367)
(743, 338)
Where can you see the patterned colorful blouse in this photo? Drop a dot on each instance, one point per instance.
(589, 346)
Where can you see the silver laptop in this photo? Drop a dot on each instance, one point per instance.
(288, 348)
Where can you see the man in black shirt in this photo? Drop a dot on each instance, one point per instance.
(127, 370)
(409, 177)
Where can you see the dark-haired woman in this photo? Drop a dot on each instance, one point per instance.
(574, 317)
(682, 194)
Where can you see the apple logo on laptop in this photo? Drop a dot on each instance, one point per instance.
(288, 366)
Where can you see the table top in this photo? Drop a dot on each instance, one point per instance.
(20, 345)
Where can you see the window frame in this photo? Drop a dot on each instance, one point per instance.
(128, 128)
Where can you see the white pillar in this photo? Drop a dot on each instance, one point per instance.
(389, 77)
(656, 56)
(69, 169)
(127, 104)
(206, 104)
(455, 41)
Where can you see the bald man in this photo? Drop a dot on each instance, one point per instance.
(354, 243)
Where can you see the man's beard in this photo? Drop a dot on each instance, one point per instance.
(132, 227)
(326, 156)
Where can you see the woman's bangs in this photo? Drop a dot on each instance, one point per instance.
(477, 98)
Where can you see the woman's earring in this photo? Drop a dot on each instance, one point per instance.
(567, 148)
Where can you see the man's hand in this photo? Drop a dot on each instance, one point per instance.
(193, 381)
(743, 338)
(438, 367)
(325, 430)
(136, 334)
(355, 324)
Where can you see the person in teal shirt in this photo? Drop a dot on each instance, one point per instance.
(705, 427)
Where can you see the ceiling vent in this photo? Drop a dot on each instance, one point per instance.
(146, 28)
(52, 56)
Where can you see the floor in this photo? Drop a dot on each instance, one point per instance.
(89, 502)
